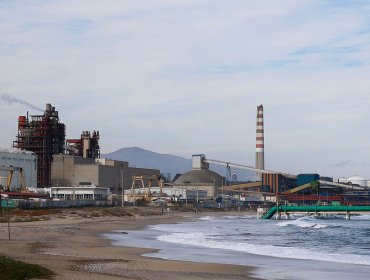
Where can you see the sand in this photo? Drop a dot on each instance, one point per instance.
(69, 243)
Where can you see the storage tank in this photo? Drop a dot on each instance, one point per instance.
(357, 180)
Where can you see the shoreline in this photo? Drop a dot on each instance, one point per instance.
(71, 245)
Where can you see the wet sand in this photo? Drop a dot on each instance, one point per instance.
(69, 243)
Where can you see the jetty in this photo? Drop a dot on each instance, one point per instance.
(288, 209)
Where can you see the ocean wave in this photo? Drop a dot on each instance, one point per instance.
(304, 222)
(361, 217)
(207, 218)
(206, 241)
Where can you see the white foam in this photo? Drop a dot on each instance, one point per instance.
(304, 222)
(203, 240)
(207, 218)
(361, 217)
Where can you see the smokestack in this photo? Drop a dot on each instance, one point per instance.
(260, 141)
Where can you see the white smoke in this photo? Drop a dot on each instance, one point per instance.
(12, 100)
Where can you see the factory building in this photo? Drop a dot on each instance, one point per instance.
(200, 178)
(81, 192)
(277, 183)
(87, 146)
(43, 135)
(71, 171)
(23, 159)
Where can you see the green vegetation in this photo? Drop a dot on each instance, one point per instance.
(16, 270)
(315, 186)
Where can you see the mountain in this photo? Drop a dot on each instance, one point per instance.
(138, 157)
(167, 164)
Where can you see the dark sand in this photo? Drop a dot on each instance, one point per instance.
(69, 243)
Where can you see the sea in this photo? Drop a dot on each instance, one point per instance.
(303, 247)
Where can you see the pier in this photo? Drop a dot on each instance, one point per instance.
(287, 209)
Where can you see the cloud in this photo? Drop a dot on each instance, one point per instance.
(190, 73)
(344, 163)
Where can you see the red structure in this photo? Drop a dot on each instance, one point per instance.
(87, 146)
(44, 135)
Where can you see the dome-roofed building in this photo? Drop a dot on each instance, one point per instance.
(200, 178)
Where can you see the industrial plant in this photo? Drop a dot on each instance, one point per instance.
(44, 166)
(45, 136)
(47, 167)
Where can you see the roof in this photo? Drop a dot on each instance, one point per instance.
(200, 177)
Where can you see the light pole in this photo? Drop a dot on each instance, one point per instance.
(122, 192)
(186, 194)
(197, 194)
(7, 208)
(0, 200)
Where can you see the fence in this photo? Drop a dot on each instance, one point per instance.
(28, 204)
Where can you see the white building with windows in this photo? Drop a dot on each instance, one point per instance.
(80, 192)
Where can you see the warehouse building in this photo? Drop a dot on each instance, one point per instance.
(23, 159)
(71, 171)
(200, 180)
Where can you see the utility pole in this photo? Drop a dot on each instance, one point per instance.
(122, 192)
(7, 207)
(1, 207)
(186, 195)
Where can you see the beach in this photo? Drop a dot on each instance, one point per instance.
(70, 243)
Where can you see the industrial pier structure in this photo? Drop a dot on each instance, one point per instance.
(43, 135)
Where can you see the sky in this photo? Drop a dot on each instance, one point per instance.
(185, 77)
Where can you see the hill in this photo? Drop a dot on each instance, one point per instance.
(138, 157)
(166, 163)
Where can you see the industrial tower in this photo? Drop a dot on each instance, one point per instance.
(44, 135)
(87, 146)
(260, 155)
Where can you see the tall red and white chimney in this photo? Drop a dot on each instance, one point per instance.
(260, 141)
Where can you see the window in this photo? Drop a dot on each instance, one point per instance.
(88, 196)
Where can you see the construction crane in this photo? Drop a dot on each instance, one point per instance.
(10, 170)
(146, 190)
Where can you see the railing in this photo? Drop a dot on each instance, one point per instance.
(314, 209)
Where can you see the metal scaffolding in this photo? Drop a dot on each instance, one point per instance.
(87, 146)
(44, 135)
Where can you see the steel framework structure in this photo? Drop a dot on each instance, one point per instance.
(44, 135)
